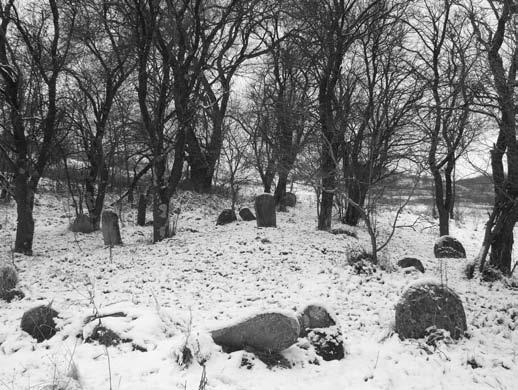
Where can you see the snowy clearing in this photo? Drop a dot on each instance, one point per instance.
(208, 276)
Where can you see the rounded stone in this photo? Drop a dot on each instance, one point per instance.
(427, 304)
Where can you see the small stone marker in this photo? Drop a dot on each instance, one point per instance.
(314, 316)
(290, 199)
(265, 211)
(227, 216)
(246, 214)
(82, 224)
(411, 262)
(141, 210)
(268, 332)
(448, 246)
(110, 228)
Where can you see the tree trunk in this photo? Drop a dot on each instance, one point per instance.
(24, 196)
(141, 210)
(500, 256)
(441, 204)
(357, 192)
(280, 191)
(268, 176)
(161, 228)
(161, 197)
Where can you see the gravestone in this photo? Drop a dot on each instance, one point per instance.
(429, 304)
(265, 211)
(110, 229)
(141, 210)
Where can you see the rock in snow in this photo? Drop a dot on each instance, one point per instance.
(314, 316)
(227, 216)
(269, 332)
(448, 246)
(429, 304)
(411, 262)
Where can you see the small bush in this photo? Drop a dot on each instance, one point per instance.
(8, 278)
(491, 274)
(357, 256)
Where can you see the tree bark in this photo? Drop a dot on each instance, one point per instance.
(280, 191)
(24, 196)
(357, 192)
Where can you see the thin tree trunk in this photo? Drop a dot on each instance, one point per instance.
(24, 196)
(280, 191)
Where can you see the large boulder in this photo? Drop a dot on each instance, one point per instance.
(227, 216)
(448, 246)
(8, 278)
(110, 228)
(265, 211)
(82, 224)
(246, 214)
(267, 332)
(429, 304)
(411, 262)
(314, 316)
(290, 199)
(39, 322)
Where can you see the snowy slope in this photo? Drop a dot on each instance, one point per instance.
(206, 276)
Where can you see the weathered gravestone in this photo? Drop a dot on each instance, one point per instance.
(448, 246)
(227, 216)
(82, 224)
(411, 262)
(141, 210)
(290, 199)
(268, 332)
(429, 304)
(110, 228)
(314, 316)
(246, 214)
(265, 211)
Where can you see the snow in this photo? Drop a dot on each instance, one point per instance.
(174, 292)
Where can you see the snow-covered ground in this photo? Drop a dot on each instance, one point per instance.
(207, 276)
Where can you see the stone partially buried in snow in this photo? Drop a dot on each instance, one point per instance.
(82, 224)
(448, 246)
(227, 216)
(411, 262)
(246, 214)
(267, 332)
(314, 316)
(428, 303)
(39, 322)
(265, 211)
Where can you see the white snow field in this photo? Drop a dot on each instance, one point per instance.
(206, 276)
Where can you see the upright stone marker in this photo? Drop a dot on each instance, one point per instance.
(265, 211)
(110, 228)
(141, 211)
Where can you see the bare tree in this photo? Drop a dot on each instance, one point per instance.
(102, 65)
(378, 104)
(445, 56)
(240, 40)
(328, 29)
(33, 54)
(494, 24)
(174, 43)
